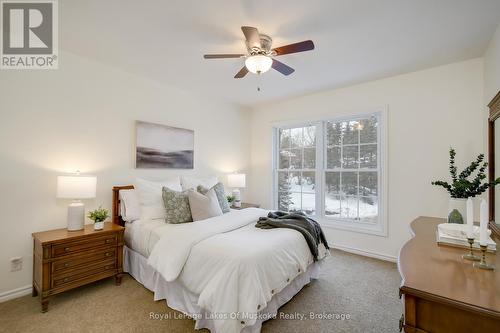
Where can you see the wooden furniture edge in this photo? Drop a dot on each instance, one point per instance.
(116, 218)
(72, 237)
(446, 301)
(494, 114)
(433, 297)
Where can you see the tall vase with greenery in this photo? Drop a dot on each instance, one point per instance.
(463, 186)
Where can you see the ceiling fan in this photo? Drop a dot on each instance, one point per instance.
(260, 57)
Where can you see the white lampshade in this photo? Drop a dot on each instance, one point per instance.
(258, 63)
(76, 187)
(236, 180)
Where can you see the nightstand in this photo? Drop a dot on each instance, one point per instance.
(63, 260)
(246, 205)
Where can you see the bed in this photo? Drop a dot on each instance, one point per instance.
(223, 272)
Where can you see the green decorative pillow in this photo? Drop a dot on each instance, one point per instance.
(176, 206)
(221, 196)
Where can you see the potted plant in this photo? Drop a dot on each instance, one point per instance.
(461, 187)
(230, 199)
(98, 216)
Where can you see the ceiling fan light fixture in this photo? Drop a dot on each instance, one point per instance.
(258, 64)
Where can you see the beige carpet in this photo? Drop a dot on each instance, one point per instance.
(365, 289)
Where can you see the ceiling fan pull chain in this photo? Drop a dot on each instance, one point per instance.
(259, 81)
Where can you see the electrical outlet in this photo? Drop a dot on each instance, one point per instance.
(16, 264)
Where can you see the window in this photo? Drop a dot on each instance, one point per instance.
(332, 170)
(351, 171)
(297, 169)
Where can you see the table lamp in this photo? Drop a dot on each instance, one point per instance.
(237, 181)
(76, 187)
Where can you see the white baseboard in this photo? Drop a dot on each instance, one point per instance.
(15, 293)
(365, 253)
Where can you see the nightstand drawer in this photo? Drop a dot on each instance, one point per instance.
(67, 277)
(83, 260)
(71, 247)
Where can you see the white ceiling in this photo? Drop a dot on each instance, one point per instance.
(356, 40)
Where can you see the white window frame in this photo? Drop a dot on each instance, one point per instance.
(380, 227)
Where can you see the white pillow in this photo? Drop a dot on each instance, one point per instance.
(189, 183)
(203, 206)
(150, 196)
(130, 209)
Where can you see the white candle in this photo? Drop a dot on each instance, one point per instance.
(470, 219)
(483, 225)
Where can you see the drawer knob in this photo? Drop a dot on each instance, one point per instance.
(108, 254)
(66, 279)
(66, 264)
(66, 249)
(109, 240)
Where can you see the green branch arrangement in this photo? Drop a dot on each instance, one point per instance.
(461, 186)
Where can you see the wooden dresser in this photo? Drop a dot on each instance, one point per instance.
(443, 292)
(64, 260)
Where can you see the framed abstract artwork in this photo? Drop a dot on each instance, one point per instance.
(163, 147)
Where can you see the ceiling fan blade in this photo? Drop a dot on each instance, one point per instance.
(222, 56)
(252, 36)
(241, 73)
(282, 68)
(306, 45)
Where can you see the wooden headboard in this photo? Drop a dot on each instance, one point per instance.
(117, 219)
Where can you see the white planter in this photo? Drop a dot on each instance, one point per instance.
(99, 225)
(460, 205)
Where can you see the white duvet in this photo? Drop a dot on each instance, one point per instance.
(234, 267)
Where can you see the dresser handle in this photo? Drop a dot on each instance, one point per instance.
(109, 240)
(66, 249)
(108, 254)
(66, 279)
(66, 264)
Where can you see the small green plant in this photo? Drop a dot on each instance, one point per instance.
(230, 198)
(461, 186)
(98, 215)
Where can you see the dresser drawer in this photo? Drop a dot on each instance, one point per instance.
(72, 247)
(68, 277)
(65, 264)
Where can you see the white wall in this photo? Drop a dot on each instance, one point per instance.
(427, 112)
(82, 117)
(492, 67)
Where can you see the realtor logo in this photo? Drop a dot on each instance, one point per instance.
(29, 35)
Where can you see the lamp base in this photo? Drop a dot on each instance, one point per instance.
(76, 216)
(237, 198)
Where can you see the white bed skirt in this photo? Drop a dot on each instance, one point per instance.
(181, 299)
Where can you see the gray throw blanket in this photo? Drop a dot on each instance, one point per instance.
(310, 229)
